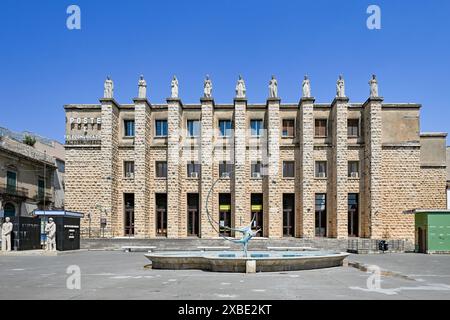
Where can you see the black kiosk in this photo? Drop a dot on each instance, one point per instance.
(26, 233)
(67, 228)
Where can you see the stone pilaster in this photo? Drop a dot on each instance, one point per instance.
(371, 218)
(110, 162)
(207, 161)
(306, 133)
(143, 217)
(339, 178)
(173, 166)
(273, 200)
(240, 198)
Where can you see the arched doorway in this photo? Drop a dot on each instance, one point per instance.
(10, 210)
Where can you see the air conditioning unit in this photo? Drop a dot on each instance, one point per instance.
(256, 175)
(321, 175)
(225, 175)
(194, 174)
(354, 175)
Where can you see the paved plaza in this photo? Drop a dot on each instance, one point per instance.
(119, 275)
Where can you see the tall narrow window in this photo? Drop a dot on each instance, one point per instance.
(11, 182)
(41, 188)
(161, 128)
(161, 214)
(129, 214)
(225, 128)
(225, 169)
(288, 128)
(353, 127)
(321, 215)
(225, 214)
(289, 169)
(129, 128)
(193, 223)
(321, 169)
(193, 128)
(353, 169)
(128, 169)
(353, 215)
(161, 169)
(289, 214)
(256, 128)
(320, 129)
(256, 170)
(257, 215)
(193, 169)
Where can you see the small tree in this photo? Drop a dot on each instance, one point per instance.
(29, 140)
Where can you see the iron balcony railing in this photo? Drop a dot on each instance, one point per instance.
(14, 191)
(41, 196)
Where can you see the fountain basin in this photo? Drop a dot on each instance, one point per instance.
(228, 261)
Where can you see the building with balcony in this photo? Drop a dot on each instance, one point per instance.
(31, 177)
(305, 169)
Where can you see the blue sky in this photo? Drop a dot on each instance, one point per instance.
(43, 65)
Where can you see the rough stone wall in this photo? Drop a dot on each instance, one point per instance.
(307, 190)
(240, 198)
(371, 225)
(433, 186)
(339, 172)
(110, 163)
(141, 167)
(207, 148)
(84, 187)
(273, 200)
(173, 168)
(400, 184)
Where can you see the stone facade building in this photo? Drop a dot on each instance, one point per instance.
(303, 169)
(29, 179)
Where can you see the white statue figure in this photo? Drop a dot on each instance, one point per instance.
(373, 87)
(174, 86)
(7, 228)
(273, 88)
(306, 87)
(142, 88)
(240, 88)
(208, 87)
(109, 89)
(50, 231)
(340, 87)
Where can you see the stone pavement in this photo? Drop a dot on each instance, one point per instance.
(118, 275)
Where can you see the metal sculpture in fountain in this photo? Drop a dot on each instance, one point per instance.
(247, 231)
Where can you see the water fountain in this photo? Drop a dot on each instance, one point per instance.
(244, 261)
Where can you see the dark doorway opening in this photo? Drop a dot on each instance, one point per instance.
(289, 215)
(225, 214)
(353, 215)
(161, 214)
(9, 210)
(257, 213)
(321, 215)
(193, 227)
(129, 214)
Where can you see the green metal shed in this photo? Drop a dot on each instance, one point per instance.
(432, 231)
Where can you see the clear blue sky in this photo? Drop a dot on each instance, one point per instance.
(43, 65)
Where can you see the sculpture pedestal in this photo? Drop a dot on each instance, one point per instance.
(250, 266)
